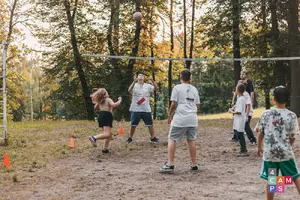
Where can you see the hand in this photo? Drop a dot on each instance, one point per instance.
(259, 151)
(120, 98)
(247, 118)
(229, 110)
(150, 79)
(135, 80)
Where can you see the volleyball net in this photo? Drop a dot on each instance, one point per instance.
(213, 77)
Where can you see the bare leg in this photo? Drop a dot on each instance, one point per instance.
(297, 184)
(171, 151)
(151, 131)
(106, 134)
(192, 149)
(270, 196)
(132, 130)
(106, 142)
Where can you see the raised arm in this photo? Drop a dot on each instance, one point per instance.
(116, 104)
(131, 86)
(153, 83)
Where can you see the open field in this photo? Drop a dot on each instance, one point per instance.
(44, 167)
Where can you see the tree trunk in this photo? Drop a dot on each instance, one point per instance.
(152, 61)
(236, 15)
(293, 33)
(116, 23)
(135, 48)
(11, 19)
(155, 93)
(113, 34)
(172, 51)
(264, 51)
(129, 73)
(277, 50)
(267, 97)
(184, 31)
(192, 35)
(78, 62)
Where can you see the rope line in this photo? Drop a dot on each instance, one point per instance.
(190, 59)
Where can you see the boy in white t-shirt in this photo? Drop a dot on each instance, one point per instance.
(249, 113)
(240, 118)
(184, 120)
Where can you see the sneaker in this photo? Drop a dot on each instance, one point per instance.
(129, 140)
(253, 143)
(93, 141)
(167, 168)
(194, 168)
(105, 150)
(233, 140)
(154, 140)
(242, 154)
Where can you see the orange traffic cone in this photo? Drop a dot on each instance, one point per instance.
(72, 142)
(6, 160)
(121, 131)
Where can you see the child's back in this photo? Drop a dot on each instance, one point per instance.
(278, 127)
(106, 105)
(239, 120)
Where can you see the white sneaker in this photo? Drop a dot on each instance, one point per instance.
(93, 141)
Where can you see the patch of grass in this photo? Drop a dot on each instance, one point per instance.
(256, 114)
(32, 144)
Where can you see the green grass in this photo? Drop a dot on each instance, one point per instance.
(256, 114)
(32, 144)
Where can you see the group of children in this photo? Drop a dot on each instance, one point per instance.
(242, 111)
(276, 130)
(276, 127)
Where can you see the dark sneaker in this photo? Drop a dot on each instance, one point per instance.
(129, 140)
(242, 154)
(93, 141)
(105, 150)
(167, 168)
(154, 140)
(194, 168)
(253, 143)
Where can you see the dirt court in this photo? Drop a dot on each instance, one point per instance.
(131, 171)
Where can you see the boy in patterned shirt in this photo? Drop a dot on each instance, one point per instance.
(277, 128)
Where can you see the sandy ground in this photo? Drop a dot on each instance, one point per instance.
(131, 171)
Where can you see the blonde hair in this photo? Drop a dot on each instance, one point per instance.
(98, 97)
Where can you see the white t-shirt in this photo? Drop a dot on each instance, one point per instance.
(278, 126)
(140, 97)
(186, 97)
(240, 119)
(248, 101)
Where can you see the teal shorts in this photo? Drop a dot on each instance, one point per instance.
(287, 168)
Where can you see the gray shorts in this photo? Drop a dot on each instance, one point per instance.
(177, 133)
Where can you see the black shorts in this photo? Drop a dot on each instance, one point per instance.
(105, 118)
